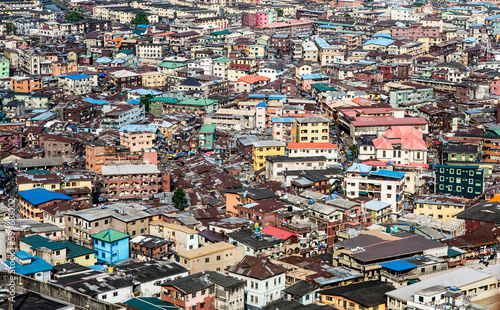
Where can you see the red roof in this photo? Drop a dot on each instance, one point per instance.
(309, 145)
(278, 233)
(252, 79)
(368, 121)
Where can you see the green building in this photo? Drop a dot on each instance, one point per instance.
(461, 152)
(206, 137)
(459, 181)
(407, 96)
(156, 104)
(4, 68)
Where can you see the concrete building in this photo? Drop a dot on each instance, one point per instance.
(79, 84)
(213, 257)
(131, 181)
(276, 165)
(262, 149)
(305, 149)
(311, 129)
(387, 186)
(111, 246)
(185, 238)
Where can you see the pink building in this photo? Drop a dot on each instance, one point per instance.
(259, 18)
(495, 87)
(137, 140)
(309, 79)
(345, 3)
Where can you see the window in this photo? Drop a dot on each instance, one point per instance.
(191, 237)
(218, 257)
(207, 260)
(115, 294)
(104, 296)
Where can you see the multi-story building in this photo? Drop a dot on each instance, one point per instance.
(26, 84)
(124, 78)
(195, 291)
(137, 140)
(206, 137)
(4, 68)
(399, 145)
(257, 244)
(264, 281)
(111, 246)
(130, 219)
(387, 186)
(229, 291)
(214, 257)
(184, 238)
(151, 50)
(32, 202)
(328, 150)
(409, 95)
(311, 129)
(131, 181)
(262, 149)
(440, 207)
(459, 181)
(276, 165)
(79, 84)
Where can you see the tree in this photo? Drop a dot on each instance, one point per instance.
(179, 199)
(280, 12)
(140, 18)
(74, 16)
(10, 29)
(145, 101)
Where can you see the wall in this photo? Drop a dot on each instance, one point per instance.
(57, 292)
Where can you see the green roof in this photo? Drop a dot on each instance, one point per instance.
(149, 303)
(202, 102)
(37, 171)
(164, 99)
(322, 87)
(171, 65)
(223, 60)
(126, 51)
(72, 249)
(219, 33)
(110, 235)
(208, 128)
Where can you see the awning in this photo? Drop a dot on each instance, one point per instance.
(363, 193)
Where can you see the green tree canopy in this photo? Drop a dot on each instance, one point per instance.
(9, 29)
(280, 12)
(140, 18)
(74, 16)
(145, 101)
(179, 199)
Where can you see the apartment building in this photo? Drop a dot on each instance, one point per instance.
(311, 129)
(384, 185)
(440, 207)
(263, 149)
(213, 257)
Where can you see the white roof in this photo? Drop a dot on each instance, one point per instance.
(458, 277)
(129, 169)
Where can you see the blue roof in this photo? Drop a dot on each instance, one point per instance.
(282, 119)
(470, 39)
(376, 205)
(327, 26)
(398, 265)
(77, 76)
(381, 42)
(388, 173)
(257, 96)
(368, 62)
(261, 105)
(493, 17)
(38, 196)
(37, 265)
(95, 101)
(476, 25)
(143, 26)
(103, 59)
(363, 168)
(23, 255)
(135, 128)
(474, 111)
(382, 35)
(142, 92)
(277, 97)
(44, 116)
(322, 42)
(313, 76)
(133, 101)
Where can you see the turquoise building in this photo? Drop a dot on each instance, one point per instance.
(111, 246)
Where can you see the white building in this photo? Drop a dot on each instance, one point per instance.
(329, 150)
(310, 51)
(78, 84)
(151, 51)
(264, 280)
(384, 185)
(276, 165)
(271, 71)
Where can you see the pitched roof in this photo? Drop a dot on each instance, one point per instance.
(319, 145)
(255, 267)
(38, 196)
(279, 233)
(252, 79)
(110, 235)
(368, 294)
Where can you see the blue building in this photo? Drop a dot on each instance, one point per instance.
(111, 246)
(31, 266)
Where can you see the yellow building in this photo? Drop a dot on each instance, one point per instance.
(58, 253)
(153, 79)
(262, 149)
(440, 207)
(27, 181)
(353, 296)
(213, 257)
(311, 129)
(301, 69)
(77, 180)
(257, 51)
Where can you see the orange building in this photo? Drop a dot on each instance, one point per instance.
(242, 196)
(26, 84)
(63, 67)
